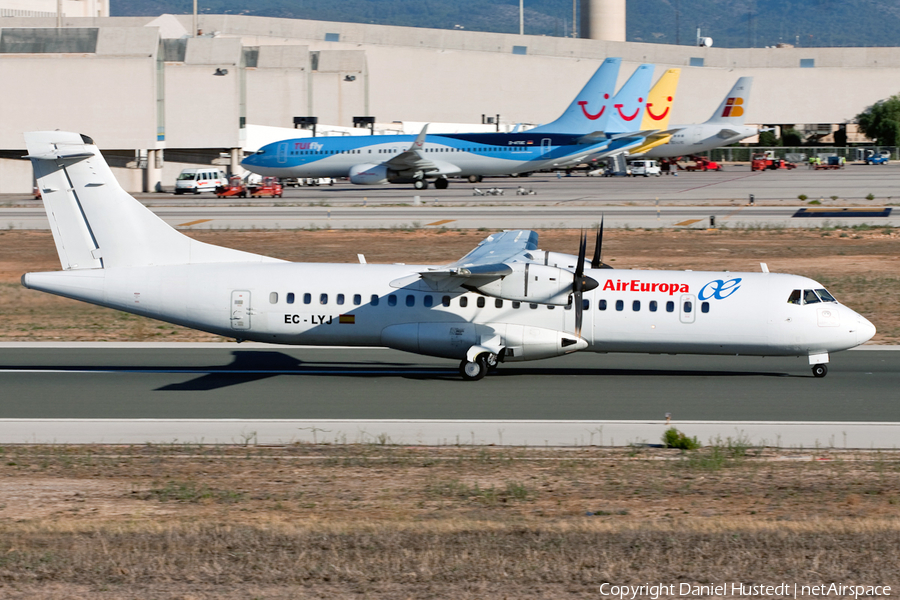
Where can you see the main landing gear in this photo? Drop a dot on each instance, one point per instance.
(420, 184)
(820, 370)
(477, 369)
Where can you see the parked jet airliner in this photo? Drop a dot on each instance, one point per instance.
(378, 159)
(725, 127)
(507, 300)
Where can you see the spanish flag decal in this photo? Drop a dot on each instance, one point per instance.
(349, 319)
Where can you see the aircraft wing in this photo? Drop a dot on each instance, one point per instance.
(487, 262)
(414, 159)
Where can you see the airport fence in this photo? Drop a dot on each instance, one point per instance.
(851, 153)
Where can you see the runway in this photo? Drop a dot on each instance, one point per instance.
(223, 393)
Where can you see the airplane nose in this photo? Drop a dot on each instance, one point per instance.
(864, 330)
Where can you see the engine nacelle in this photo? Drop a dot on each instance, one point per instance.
(452, 340)
(368, 174)
(530, 282)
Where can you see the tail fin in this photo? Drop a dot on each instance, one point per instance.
(732, 109)
(588, 111)
(660, 100)
(95, 223)
(630, 101)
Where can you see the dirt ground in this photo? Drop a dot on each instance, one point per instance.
(307, 521)
(858, 266)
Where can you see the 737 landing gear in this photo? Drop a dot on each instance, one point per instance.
(420, 184)
(477, 369)
(820, 370)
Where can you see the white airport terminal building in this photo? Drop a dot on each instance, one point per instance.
(161, 93)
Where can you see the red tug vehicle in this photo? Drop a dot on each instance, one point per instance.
(703, 163)
(269, 186)
(235, 187)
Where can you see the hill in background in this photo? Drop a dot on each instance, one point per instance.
(731, 23)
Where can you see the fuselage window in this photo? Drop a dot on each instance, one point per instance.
(428, 301)
(688, 306)
(498, 303)
(636, 305)
(290, 298)
(653, 306)
(809, 297)
(480, 302)
(307, 298)
(340, 298)
(445, 301)
(374, 300)
(323, 298)
(586, 304)
(392, 300)
(794, 298)
(569, 305)
(532, 305)
(670, 306)
(550, 307)
(704, 307)
(463, 302)
(601, 304)
(516, 304)
(410, 300)
(273, 298)
(620, 305)
(357, 299)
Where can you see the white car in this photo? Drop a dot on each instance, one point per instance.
(645, 168)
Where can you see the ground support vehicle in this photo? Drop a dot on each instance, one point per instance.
(269, 186)
(703, 163)
(234, 188)
(881, 158)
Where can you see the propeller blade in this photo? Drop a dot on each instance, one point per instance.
(579, 309)
(596, 262)
(582, 250)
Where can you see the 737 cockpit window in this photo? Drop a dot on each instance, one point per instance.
(794, 298)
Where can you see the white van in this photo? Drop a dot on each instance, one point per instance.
(204, 179)
(645, 168)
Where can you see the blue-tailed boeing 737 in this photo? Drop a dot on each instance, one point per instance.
(595, 121)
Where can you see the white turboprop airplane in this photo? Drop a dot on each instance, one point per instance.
(725, 127)
(504, 301)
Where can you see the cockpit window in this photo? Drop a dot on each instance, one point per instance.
(809, 297)
(260, 151)
(794, 298)
(825, 296)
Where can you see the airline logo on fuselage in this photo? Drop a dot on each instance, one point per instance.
(308, 146)
(636, 285)
(719, 289)
(733, 107)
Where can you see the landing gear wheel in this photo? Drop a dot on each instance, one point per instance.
(420, 184)
(473, 371)
(820, 370)
(441, 183)
(475, 178)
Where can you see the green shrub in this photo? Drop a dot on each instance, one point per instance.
(803, 197)
(673, 438)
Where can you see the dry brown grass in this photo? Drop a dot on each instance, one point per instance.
(859, 268)
(385, 522)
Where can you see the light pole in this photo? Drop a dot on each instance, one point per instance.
(521, 17)
(194, 22)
